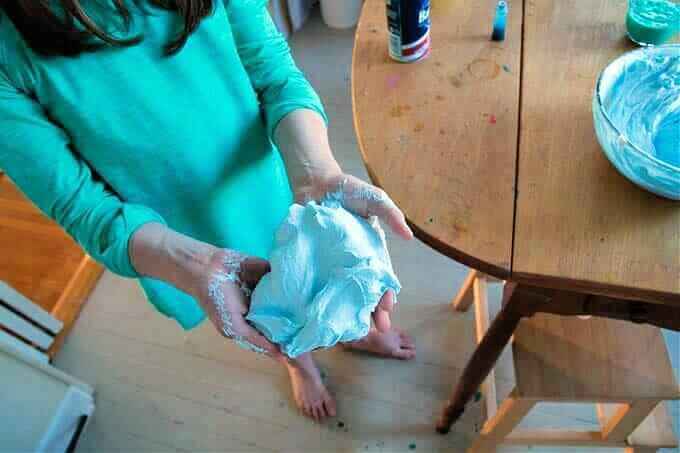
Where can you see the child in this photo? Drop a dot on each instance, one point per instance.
(146, 129)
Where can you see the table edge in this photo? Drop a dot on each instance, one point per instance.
(599, 289)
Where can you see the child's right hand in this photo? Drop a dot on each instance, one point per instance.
(221, 280)
(225, 295)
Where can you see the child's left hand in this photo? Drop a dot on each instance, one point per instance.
(365, 200)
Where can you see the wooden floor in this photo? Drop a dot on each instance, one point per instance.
(158, 390)
(38, 258)
(41, 261)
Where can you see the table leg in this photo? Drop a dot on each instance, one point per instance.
(485, 356)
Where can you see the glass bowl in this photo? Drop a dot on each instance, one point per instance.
(636, 111)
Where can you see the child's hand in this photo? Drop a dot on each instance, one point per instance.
(225, 295)
(364, 200)
(219, 279)
(359, 197)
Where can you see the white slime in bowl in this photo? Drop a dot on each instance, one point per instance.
(640, 98)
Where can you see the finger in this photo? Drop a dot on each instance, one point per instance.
(249, 336)
(253, 269)
(390, 214)
(315, 413)
(258, 340)
(387, 301)
(381, 318)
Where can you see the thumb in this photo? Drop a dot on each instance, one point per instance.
(253, 269)
(387, 301)
(389, 213)
(381, 315)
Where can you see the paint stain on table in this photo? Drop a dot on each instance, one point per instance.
(491, 118)
(455, 81)
(484, 69)
(459, 229)
(399, 110)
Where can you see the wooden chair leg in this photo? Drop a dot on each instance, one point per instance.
(482, 321)
(465, 297)
(626, 419)
(602, 410)
(483, 359)
(509, 415)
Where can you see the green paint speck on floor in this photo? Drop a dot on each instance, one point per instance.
(412, 446)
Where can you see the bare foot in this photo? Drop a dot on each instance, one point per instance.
(309, 391)
(393, 344)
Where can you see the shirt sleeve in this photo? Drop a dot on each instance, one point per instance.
(37, 156)
(264, 52)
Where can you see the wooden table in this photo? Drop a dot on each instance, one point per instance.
(489, 149)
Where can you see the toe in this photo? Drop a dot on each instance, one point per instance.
(308, 411)
(405, 338)
(405, 354)
(329, 404)
(407, 343)
(318, 416)
(323, 410)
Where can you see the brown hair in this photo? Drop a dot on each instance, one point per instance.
(63, 27)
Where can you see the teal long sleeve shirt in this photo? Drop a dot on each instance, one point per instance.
(108, 141)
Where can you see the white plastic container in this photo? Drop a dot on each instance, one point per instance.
(341, 13)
